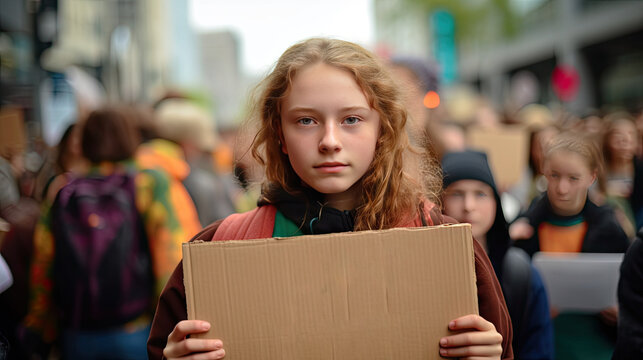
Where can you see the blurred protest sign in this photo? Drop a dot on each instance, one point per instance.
(506, 148)
(12, 130)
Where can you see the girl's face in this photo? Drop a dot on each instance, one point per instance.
(473, 202)
(569, 178)
(623, 140)
(329, 132)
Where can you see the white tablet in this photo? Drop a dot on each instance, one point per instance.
(579, 281)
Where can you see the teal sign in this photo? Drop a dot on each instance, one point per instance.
(444, 49)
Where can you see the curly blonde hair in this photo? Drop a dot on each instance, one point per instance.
(389, 194)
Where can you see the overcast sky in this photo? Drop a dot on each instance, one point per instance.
(267, 28)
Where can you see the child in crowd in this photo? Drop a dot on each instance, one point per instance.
(471, 196)
(623, 171)
(565, 220)
(123, 217)
(332, 140)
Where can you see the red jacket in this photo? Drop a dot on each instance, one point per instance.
(259, 223)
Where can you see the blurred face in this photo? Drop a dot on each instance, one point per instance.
(414, 95)
(623, 140)
(471, 201)
(329, 132)
(569, 178)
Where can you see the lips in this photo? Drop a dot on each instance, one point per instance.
(330, 167)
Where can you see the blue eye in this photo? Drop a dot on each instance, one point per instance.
(351, 120)
(305, 121)
(481, 194)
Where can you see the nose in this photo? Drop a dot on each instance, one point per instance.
(469, 202)
(562, 187)
(330, 141)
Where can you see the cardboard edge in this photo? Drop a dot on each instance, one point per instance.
(351, 233)
(187, 279)
(472, 265)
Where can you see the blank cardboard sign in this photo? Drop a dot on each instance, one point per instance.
(507, 149)
(362, 295)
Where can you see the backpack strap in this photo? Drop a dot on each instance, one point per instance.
(430, 214)
(516, 284)
(425, 216)
(254, 224)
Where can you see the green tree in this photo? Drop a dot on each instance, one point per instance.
(470, 15)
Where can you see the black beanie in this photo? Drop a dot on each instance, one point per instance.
(467, 165)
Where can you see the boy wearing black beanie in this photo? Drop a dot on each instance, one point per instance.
(470, 196)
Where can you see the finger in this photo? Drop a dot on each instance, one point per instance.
(469, 351)
(471, 322)
(471, 338)
(217, 354)
(187, 327)
(191, 346)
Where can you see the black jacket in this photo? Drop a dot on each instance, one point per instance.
(604, 234)
(629, 343)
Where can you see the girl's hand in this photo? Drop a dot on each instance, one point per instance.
(481, 341)
(520, 229)
(178, 347)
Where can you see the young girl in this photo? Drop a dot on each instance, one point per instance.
(564, 219)
(332, 141)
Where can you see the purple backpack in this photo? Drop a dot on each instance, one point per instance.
(102, 268)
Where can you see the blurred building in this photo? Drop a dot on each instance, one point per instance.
(62, 58)
(599, 43)
(222, 75)
(140, 46)
(402, 30)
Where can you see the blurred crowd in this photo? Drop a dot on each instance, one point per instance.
(181, 174)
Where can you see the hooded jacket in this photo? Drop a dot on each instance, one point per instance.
(521, 284)
(168, 157)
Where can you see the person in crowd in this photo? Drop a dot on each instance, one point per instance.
(68, 164)
(417, 79)
(332, 138)
(192, 128)
(538, 120)
(17, 248)
(623, 170)
(20, 213)
(10, 171)
(592, 124)
(6, 280)
(453, 137)
(639, 127)
(565, 220)
(470, 196)
(114, 203)
(158, 153)
(629, 340)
